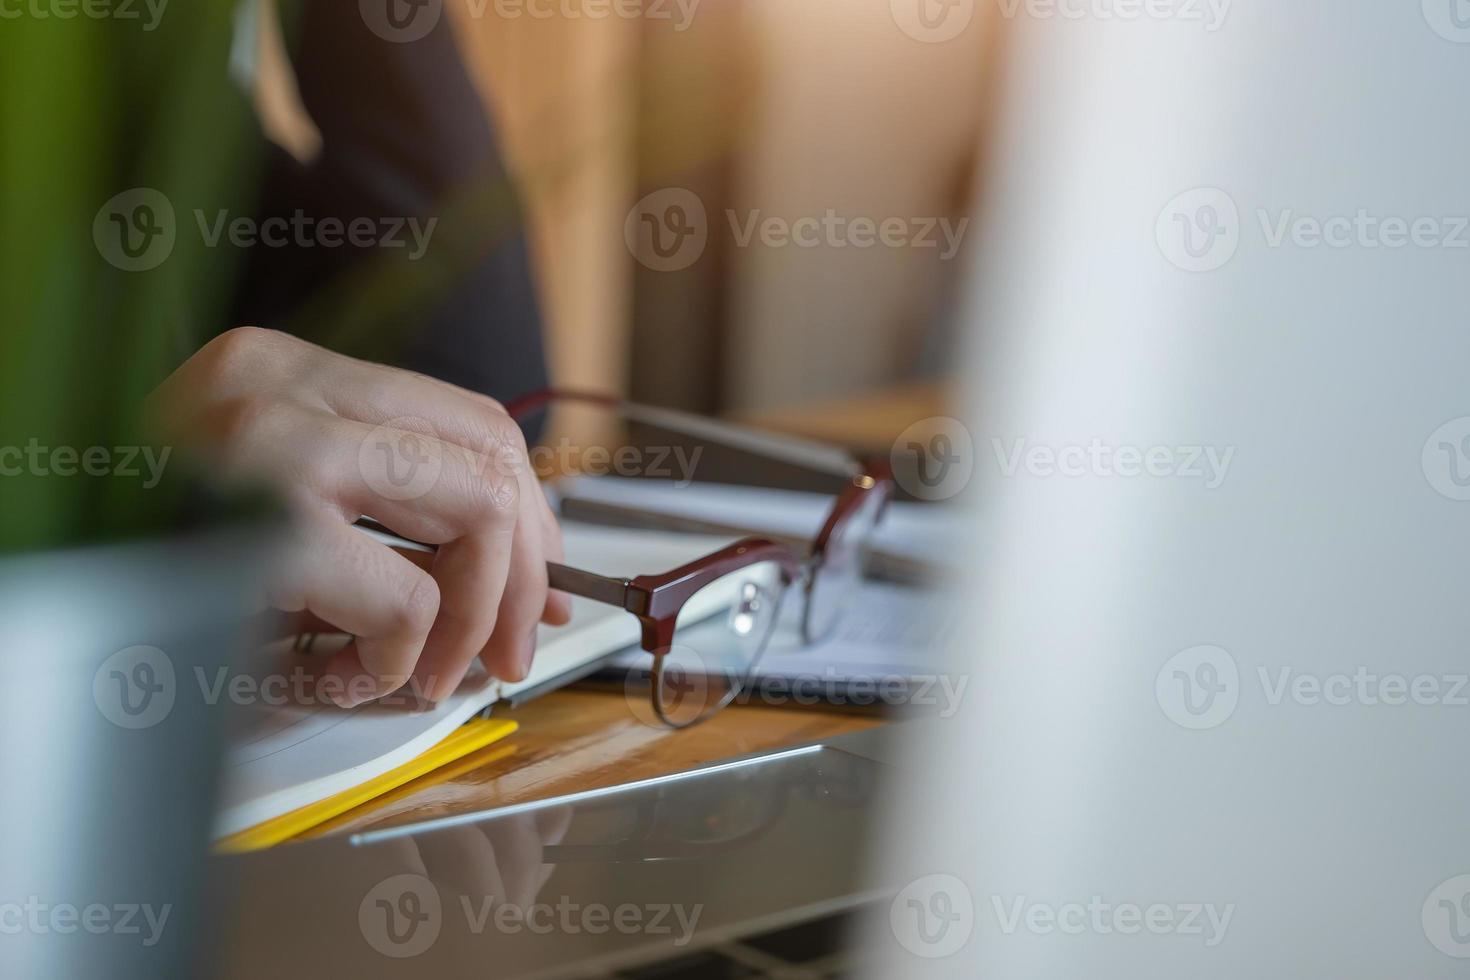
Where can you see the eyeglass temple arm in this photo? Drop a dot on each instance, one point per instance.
(563, 578)
(599, 588)
(806, 453)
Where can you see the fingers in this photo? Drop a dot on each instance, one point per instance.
(512, 644)
(558, 611)
(375, 394)
(518, 848)
(462, 861)
(364, 588)
(492, 577)
(345, 439)
(503, 859)
(471, 572)
(485, 525)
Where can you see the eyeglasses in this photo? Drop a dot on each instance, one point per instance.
(707, 623)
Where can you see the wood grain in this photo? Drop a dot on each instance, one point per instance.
(580, 739)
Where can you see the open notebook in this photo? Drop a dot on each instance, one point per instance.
(300, 750)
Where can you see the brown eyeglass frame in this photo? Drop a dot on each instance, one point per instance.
(656, 600)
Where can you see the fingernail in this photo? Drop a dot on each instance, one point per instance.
(441, 686)
(364, 688)
(425, 687)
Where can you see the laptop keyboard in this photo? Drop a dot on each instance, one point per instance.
(809, 950)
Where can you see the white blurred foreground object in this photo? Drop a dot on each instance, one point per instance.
(1217, 732)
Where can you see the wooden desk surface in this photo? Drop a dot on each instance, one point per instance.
(576, 739)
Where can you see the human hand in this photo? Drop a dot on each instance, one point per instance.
(343, 438)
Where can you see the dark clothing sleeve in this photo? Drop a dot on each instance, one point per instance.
(404, 135)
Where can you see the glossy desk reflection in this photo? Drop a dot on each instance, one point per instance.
(621, 876)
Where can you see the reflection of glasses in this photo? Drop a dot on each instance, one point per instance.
(740, 588)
